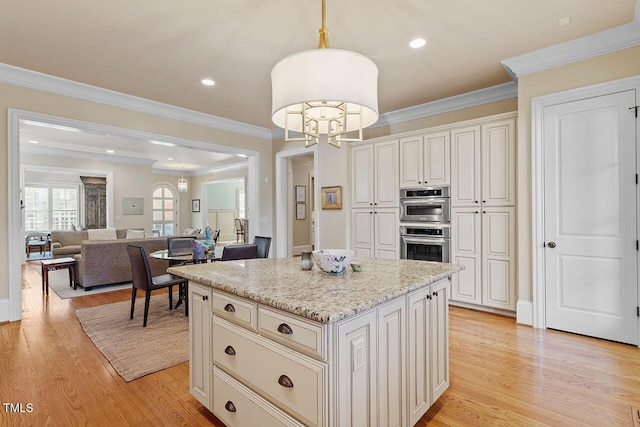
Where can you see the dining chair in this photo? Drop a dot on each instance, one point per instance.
(142, 279)
(264, 243)
(239, 229)
(182, 245)
(234, 252)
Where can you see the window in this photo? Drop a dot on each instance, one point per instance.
(164, 210)
(240, 203)
(50, 207)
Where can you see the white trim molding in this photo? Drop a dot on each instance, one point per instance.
(4, 310)
(40, 81)
(524, 312)
(607, 41)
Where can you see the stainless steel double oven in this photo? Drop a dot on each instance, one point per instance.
(425, 224)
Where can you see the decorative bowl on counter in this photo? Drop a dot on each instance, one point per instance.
(333, 261)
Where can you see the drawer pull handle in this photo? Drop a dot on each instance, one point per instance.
(283, 328)
(229, 406)
(230, 308)
(285, 381)
(230, 351)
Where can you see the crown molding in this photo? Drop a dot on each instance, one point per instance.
(608, 41)
(466, 100)
(40, 81)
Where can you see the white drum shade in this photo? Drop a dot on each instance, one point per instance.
(325, 75)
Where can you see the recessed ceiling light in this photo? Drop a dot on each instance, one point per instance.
(110, 151)
(242, 155)
(417, 43)
(564, 21)
(207, 82)
(169, 158)
(34, 142)
(166, 144)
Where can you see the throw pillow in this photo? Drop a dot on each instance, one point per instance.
(188, 231)
(102, 234)
(135, 234)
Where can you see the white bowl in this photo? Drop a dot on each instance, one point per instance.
(333, 261)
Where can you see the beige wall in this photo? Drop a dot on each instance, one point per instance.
(613, 66)
(21, 98)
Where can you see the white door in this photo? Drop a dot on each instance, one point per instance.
(386, 175)
(436, 159)
(465, 166)
(362, 232)
(386, 233)
(362, 176)
(591, 277)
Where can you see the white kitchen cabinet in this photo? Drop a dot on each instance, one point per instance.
(483, 164)
(199, 343)
(428, 347)
(375, 175)
(375, 233)
(424, 160)
(391, 367)
(439, 338)
(483, 240)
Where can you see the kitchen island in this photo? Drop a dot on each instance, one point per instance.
(271, 344)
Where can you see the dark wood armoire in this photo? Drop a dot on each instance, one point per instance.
(95, 202)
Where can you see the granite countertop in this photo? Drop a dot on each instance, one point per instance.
(281, 283)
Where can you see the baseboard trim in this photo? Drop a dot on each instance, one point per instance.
(501, 312)
(4, 310)
(524, 312)
(297, 250)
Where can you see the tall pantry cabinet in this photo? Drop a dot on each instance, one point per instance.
(375, 199)
(483, 213)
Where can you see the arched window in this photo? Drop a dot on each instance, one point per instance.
(165, 205)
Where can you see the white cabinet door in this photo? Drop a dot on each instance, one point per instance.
(498, 245)
(436, 159)
(465, 166)
(466, 234)
(362, 231)
(356, 371)
(439, 338)
(362, 176)
(419, 353)
(200, 343)
(391, 364)
(386, 175)
(411, 161)
(498, 163)
(386, 233)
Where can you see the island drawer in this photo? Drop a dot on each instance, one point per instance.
(291, 380)
(237, 310)
(236, 405)
(292, 331)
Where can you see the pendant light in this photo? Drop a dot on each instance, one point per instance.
(324, 91)
(183, 185)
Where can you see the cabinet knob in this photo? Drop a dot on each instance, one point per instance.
(484, 211)
(283, 328)
(205, 297)
(476, 201)
(230, 351)
(435, 294)
(370, 204)
(477, 212)
(484, 201)
(229, 406)
(230, 308)
(428, 296)
(285, 381)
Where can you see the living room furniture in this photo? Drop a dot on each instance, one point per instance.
(58, 264)
(235, 252)
(142, 279)
(264, 243)
(67, 242)
(40, 240)
(104, 262)
(95, 201)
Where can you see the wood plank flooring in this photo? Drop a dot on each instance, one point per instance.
(502, 374)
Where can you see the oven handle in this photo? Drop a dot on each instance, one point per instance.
(423, 201)
(425, 240)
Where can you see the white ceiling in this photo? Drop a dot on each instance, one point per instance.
(161, 50)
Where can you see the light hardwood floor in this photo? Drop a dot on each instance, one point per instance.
(502, 374)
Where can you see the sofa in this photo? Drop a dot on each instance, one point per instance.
(66, 243)
(103, 262)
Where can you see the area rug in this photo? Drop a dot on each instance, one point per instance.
(132, 350)
(59, 283)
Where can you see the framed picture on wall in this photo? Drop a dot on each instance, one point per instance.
(195, 205)
(301, 194)
(331, 197)
(301, 211)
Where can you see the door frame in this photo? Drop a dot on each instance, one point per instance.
(284, 212)
(537, 182)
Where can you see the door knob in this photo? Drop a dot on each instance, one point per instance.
(551, 245)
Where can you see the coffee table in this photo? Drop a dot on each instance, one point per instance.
(58, 264)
